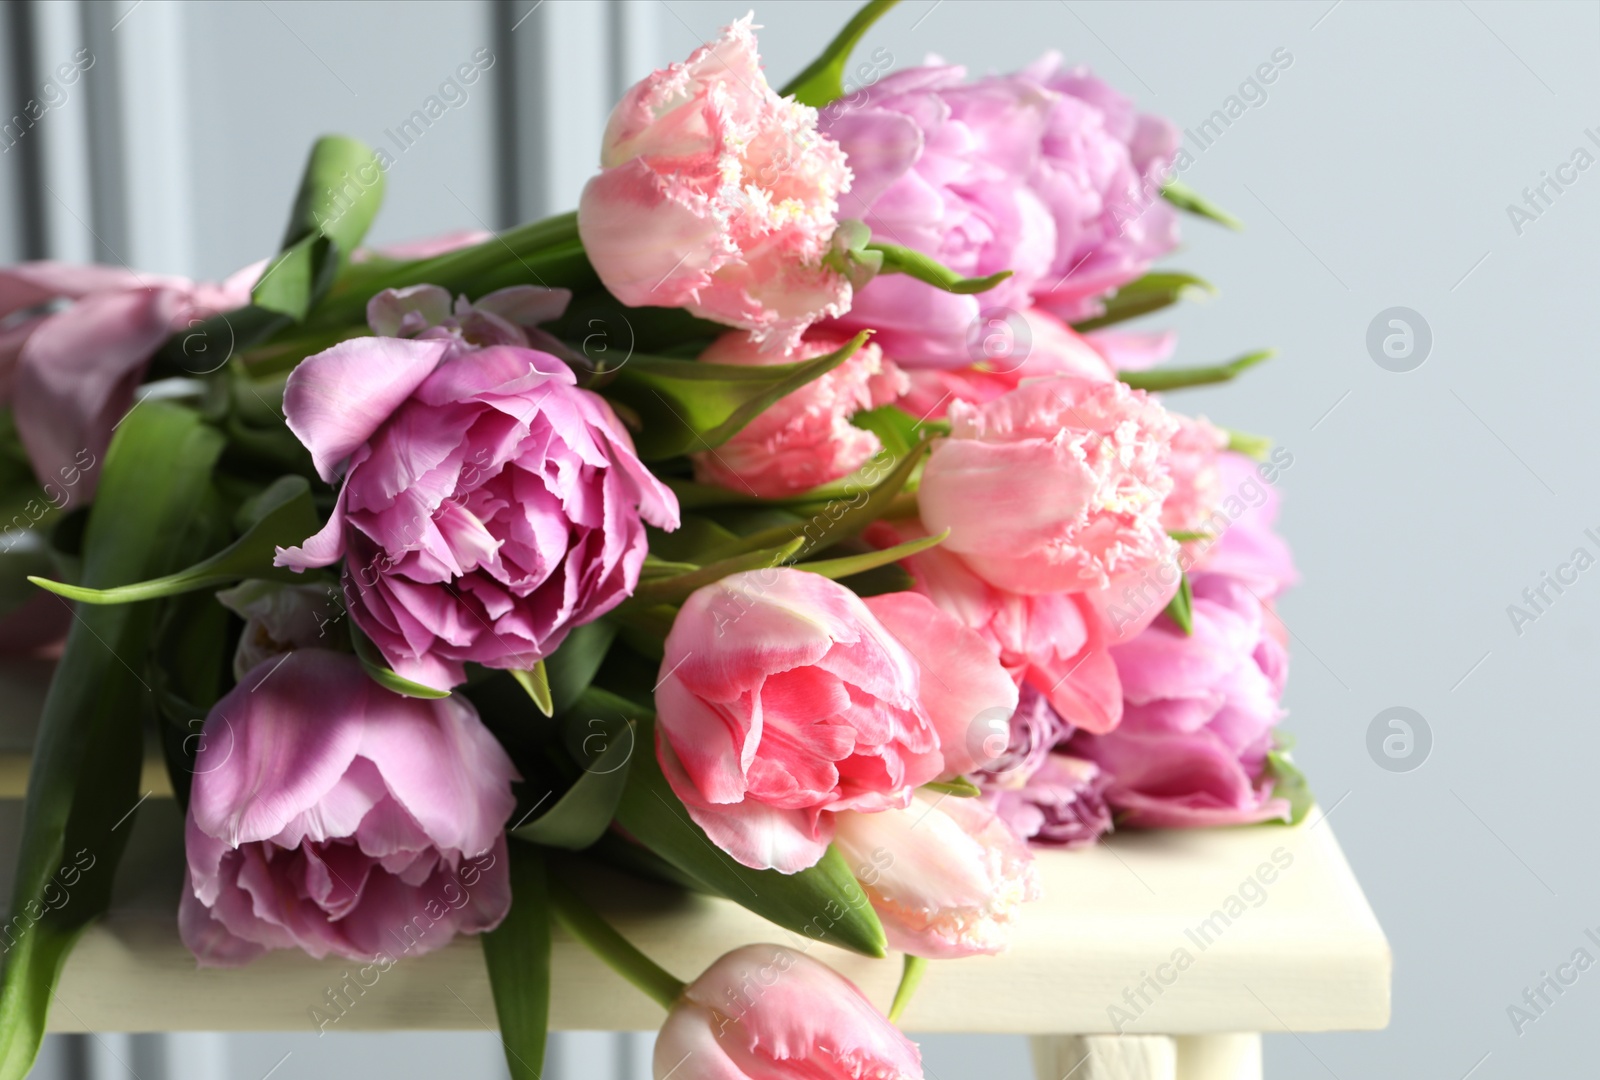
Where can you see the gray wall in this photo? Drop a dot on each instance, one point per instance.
(1377, 174)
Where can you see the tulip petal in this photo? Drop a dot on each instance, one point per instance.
(336, 400)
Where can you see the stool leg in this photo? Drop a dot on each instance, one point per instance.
(1104, 1057)
(1219, 1057)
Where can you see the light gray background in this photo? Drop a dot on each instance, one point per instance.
(1421, 504)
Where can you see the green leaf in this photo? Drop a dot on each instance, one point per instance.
(910, 979)
(572, 667)
(960, 787)
(685, 405)
(871, 560)
(340, 192)
(536, 681)
(1187, 199)
(912, 263)
(379, 671)
(1254, 446)
(517, 953)
(546, 252)
(1176, 378)
(895, 428)
(1288, 782)
(1180, 609)
(823, 902)
(84, 781)
(583, 813)
(283, 515)
(822, 80)
(1184, 536)
(675, 589)
(1144, 295)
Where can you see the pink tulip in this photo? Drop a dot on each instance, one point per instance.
(488, 504)
(719, 196)
(763, 1012)
(331, 815)
(1133, 350)
(1062, 804)
(1197, 448)
(784, 699)
(1245, 547)
(71, 375)
(1100, 170)
(1011, 346)
(1197, 723)
(1054, 487)
(963, 687)
(945, 875)
(1051, 642)
(805, 439)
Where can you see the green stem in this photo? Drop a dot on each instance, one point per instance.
(602, 939)
(910, 979)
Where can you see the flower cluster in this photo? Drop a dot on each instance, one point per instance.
(887, 562)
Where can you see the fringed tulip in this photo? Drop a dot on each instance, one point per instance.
(1054, 487)
(763, 1012)
(804, 439)
(1061, 804)
(719, 196)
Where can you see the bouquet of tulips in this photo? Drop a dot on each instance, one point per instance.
(795, 523)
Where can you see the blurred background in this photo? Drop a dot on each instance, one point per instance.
(1431, 485)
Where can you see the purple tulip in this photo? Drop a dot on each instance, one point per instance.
(70, 375)
(1062, 803)
(1197, 716)
(488, 506)
(331, 815)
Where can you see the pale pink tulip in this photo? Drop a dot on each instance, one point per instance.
(945, 875)
(763, 1012)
